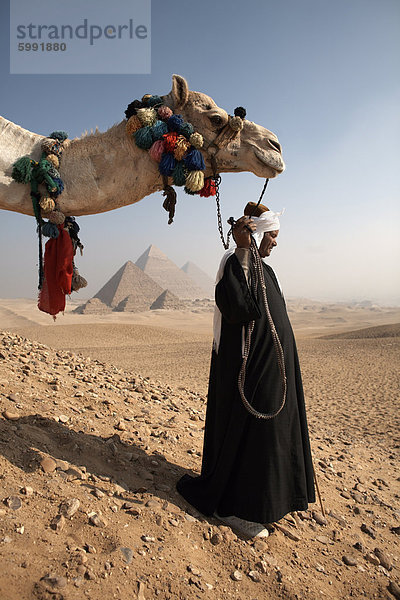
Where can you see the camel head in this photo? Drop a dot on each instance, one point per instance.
(254, 148)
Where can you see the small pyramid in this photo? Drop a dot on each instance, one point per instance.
(133, 303)
(94, 306)
(167, 274)
(201, 278)
(130, 281)
(167, 300)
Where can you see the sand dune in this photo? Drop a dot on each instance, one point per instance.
(380, 331)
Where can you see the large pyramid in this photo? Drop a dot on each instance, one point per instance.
(203, 280)
(163, 271)
(130, 281)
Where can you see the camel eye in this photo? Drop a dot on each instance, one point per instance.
(216, 120)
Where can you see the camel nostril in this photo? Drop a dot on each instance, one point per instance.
(275, 145)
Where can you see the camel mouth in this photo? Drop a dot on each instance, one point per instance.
(272, 160)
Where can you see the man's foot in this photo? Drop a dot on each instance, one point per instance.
(247, 528)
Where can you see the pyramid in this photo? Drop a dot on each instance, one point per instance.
(167, 300)
(163, 271)
(201, 279)
(133, 303)
(94, 306)
(130, 281)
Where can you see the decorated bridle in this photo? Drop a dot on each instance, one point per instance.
(173, 143)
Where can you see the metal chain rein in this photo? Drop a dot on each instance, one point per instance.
(259, 278)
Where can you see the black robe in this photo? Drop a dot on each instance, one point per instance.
(255, 469)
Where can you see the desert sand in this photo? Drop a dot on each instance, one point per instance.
(102, 414)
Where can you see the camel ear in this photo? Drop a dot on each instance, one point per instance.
(180, 91)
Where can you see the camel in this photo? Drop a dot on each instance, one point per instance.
(105, 171)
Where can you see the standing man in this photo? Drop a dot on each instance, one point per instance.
(257, 464)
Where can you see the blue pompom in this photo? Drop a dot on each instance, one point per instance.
(194, 160)
(158, 130)
(61, 136)
(60, 186)
(175, 123)
(154, 101)
(50, 230)
(186, 129)
(143, 138)
(167, 164)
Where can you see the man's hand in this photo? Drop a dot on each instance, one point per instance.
(242, 232)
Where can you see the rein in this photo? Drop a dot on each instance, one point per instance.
(258, 279)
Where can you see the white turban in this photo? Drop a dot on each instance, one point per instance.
(267, 221)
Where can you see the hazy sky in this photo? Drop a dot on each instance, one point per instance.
(323, 75)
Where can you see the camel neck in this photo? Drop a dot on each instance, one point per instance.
(104, 171)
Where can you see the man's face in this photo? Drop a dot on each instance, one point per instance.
(267, 243)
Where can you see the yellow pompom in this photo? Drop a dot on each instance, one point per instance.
(195, 181)
(181, 146)
(147, 116)
(236, 123)
(133, 125)
(53, 159)
(47, 204)
(196, 139)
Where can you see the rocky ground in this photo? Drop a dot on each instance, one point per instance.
(90, 453)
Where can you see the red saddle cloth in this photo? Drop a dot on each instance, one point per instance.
(58, 256)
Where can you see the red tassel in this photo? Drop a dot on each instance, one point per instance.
(170, 141)
(209, 188)
(58, 269)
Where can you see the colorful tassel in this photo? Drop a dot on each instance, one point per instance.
(60, 186)
(189, 192)
(240, 112)
(179, 175)
(195, 180)
(156, 151)
(50, 146)
(194, 160)
(170, 141)
(181, 147)
(187, 129)
(167, 164)
(47, 204)
(196, 139)
(61, 136)
(22, 169)
(147, 116)
(78, 282)
(236, 123)
(143, 138)
(175, 123)
(54, 160)
(132, 108)
(133, 124)
(56, 217)
(50, 230)
(154, 101)
(158, 130)
(164, 112)
(209, 188)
